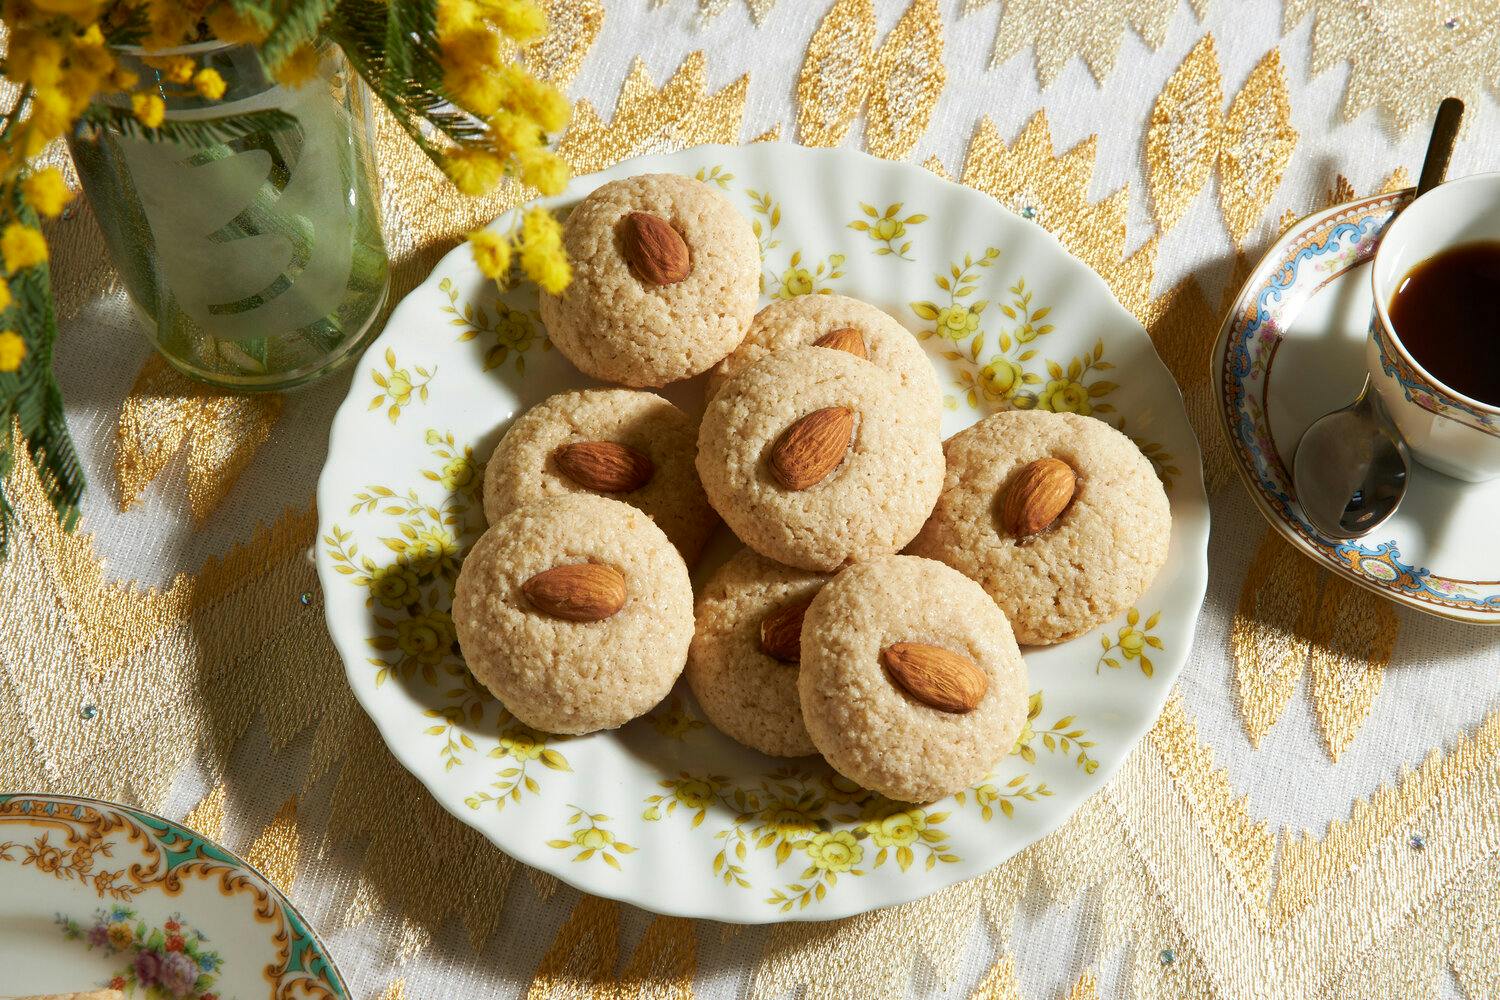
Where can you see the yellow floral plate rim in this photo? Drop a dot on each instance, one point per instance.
(666, 813)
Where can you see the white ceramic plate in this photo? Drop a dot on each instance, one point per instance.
(95, 895)
(666, 812)
(1303, 316)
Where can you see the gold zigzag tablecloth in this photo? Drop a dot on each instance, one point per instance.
(1259, 842)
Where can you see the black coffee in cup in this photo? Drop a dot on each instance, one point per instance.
(1447, 312)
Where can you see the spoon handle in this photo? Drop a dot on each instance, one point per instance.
(1450, 114)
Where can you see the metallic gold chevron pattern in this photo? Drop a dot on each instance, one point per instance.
(1027, 177)
(232, 644)
(1294, 618)
(167, 412)
(999, 983)
(844, 72)
(207, 817)
(582, 959)
(276, 850)
(1404, 57)
(1085, 989)
(1181, 144)
(572, 28)
(649, 119)
(759, 9)
(1090, 29)
(1255, 147)
(1171, 860)
(1190, 133)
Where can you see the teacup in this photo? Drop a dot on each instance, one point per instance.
(1445, 429)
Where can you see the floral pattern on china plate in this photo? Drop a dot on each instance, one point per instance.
(1316, 252)
(96, 895)
(666, 812)
(1418, 390)
(172, 960)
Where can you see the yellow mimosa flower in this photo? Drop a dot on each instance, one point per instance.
(491, 252)
(514, 133)
(522, 744)
(520, 20)
(174, 69)
(542, 256)
(540, 229)
(21, 246)
(150, 110)
(34, 57)
(470, 58)
(473, 171)
(82, 11)
(593, 838)
(545, 171)
(12, 350)
(297, 68)
(49, 119)
(1065, 396)
(693, 793)
(228, 26)
(46, 191)
(208, 83)
(169, 20)
(543, 104)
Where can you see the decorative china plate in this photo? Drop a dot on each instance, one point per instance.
(1303, 316)
(95, 895)
(666, 812)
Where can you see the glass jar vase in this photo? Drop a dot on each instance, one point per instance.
(246, 231)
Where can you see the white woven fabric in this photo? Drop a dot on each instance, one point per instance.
(1443, 678)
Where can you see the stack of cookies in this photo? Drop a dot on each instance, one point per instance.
(819, 447)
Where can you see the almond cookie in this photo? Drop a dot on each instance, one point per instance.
(576, 612)
(841, 323)
(1059, 517)
(666, 275)
(911, 682)
(742, 665)
(628, 445)
(805, 457)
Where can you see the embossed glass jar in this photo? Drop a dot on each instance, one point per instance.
(252, 252)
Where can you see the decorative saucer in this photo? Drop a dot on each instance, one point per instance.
(1291, 349)
(101, 896)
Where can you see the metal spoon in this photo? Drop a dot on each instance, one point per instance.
(1351, 466)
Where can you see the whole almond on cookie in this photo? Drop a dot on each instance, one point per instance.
(811, 448)
(604, 466)
(1036, 496)
(937, 677)
(781, 632)
(654, 250)
(579, 592)
(845, 339)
